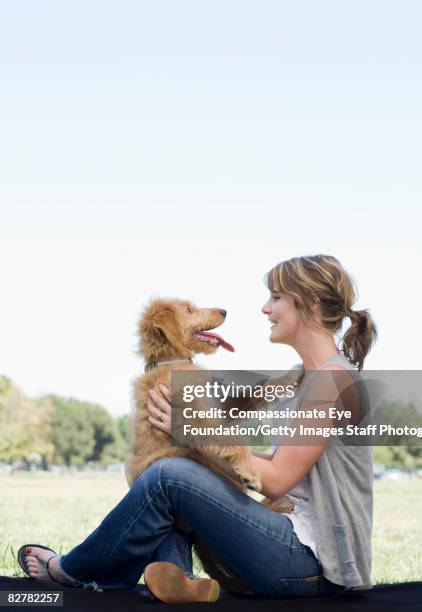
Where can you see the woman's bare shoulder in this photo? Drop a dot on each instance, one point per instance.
(329, 382)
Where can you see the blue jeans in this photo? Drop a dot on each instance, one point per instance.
(258, 544)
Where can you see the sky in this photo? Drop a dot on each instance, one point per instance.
(181, 148)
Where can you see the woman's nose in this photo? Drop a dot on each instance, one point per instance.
(265, 309)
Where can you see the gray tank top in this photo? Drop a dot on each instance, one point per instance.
(341, 500)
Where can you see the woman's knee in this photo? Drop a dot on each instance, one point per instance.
(168, 468)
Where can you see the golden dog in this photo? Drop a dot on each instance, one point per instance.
(171, 333)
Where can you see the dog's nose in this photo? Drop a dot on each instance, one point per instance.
(223, 312)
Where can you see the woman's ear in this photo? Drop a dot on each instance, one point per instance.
(315, 306)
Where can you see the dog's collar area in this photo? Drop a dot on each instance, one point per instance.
(154, 364)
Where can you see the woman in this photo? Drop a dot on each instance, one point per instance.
(322, 547)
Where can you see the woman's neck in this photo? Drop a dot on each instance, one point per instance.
(315, 349)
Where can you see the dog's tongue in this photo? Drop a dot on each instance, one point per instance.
(221, 341)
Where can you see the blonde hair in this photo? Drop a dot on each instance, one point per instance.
(322, 279)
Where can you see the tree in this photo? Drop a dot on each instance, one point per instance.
(110, 445)
(24, 425)
(83, 431)
(395, 453)
(72, 434)
(123, 427)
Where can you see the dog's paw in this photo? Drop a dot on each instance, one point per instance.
(284, 504)
(251, 481)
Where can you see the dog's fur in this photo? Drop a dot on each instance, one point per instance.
(166, 331)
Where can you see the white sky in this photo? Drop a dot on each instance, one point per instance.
(183, 148)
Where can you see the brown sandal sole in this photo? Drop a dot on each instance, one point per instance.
(171, 585)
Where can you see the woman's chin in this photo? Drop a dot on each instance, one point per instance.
(276, 338)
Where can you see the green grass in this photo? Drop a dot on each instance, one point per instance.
(397, 532)
(60, 511)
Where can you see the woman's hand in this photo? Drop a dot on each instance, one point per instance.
(159, 408)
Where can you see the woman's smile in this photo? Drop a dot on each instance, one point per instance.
(285, 328)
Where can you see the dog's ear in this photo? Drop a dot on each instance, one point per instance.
(166, 321)
(159, 324)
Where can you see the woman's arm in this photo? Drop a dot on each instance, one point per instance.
(286, 468)
(290, 463)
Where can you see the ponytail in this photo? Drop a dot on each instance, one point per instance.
(359, 338)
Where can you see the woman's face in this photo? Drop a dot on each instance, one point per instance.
(284, 317)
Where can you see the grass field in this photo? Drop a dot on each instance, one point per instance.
(60, 510)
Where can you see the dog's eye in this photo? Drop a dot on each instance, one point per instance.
(189, 310)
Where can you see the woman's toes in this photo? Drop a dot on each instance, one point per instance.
(33, 572)
(32, 566)
(37, 559)
(36, 562)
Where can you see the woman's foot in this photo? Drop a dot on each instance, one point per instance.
(42, 564)
(170, 584)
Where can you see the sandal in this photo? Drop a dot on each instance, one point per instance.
(21, 558)
(168, 583)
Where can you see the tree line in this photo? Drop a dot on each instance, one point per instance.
(67, 431)
(58, 430)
